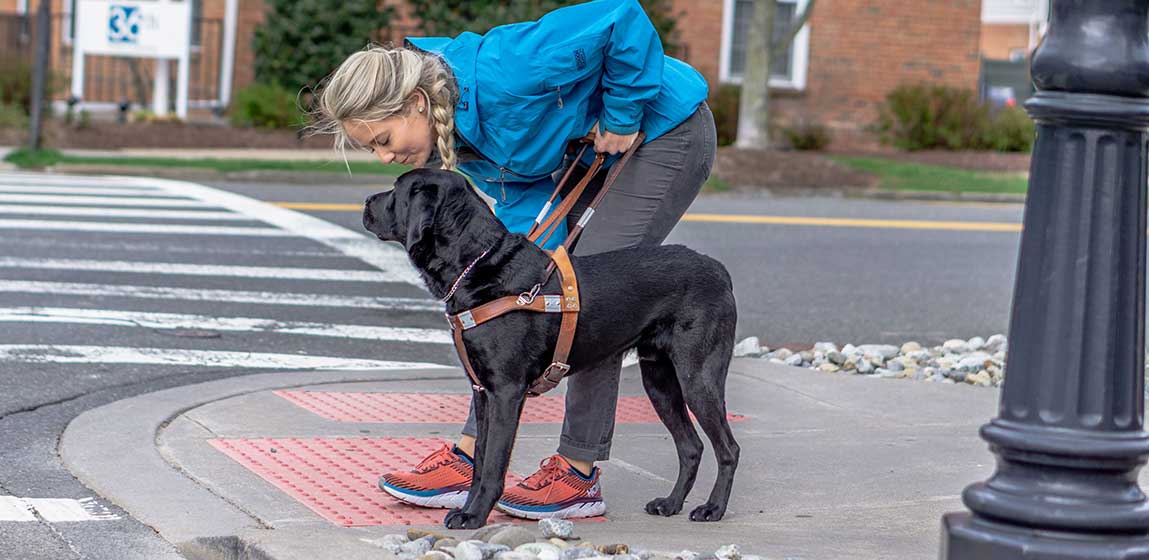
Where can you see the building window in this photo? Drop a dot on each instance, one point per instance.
(196, 23)
(787, 69)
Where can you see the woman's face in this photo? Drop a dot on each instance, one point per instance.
(405, 138)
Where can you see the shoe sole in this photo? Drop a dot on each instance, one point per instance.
(577, 511)
(446, 500)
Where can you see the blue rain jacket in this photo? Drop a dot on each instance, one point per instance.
(527, 89)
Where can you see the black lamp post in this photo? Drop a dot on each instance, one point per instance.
(1068, 436)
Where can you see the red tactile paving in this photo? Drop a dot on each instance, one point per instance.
(336, 477)
(434, 408)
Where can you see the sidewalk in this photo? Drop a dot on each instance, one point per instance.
(283, 465)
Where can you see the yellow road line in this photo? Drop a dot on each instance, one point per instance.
(319, 206)
(745, 219)
(853, 222)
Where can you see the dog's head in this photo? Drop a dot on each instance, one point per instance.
(425, 211)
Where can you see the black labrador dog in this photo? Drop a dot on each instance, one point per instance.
(675, 305)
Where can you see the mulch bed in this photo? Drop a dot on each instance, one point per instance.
(786, 170)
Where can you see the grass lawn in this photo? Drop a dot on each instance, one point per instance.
(28, 159)
(900, 176)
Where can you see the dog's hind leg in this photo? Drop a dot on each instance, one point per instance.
(702, 372)
(665, 394)
(494, 444)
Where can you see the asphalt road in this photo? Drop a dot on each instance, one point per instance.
(873, 279)
(141, 286)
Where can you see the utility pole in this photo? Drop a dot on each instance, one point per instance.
(39, 72)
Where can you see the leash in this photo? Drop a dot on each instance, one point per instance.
(551, 224)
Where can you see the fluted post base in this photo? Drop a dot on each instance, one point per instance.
(967, 536)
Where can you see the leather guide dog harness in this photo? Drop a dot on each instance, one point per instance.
(567, 302)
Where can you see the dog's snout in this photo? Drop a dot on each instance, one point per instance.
(371, 208)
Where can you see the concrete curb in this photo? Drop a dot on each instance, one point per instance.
(878, 194)
(131, 471)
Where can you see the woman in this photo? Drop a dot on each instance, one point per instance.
(502, 109)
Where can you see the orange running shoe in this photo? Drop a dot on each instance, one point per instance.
(439, 481)
(557, 490)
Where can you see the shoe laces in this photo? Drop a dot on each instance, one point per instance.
(444, 456)
(550, 470)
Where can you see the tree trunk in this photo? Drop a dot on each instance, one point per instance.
(754, 103)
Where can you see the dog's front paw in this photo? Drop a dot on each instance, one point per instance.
(458, 519)
(707, 512)
(665, 507)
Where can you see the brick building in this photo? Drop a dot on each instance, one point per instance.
(1011, 29)
(836, 73)
(851, 54)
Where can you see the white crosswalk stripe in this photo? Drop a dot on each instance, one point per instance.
(231, 296)
(53, 510)
(274, 272)
(72, 354)
(39, 210)
(83, 190)
(248, 324)
(103, 200)
(49, 225)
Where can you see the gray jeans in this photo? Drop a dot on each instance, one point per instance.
(650, 195)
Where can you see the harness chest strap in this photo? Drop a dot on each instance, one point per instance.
(566, 303)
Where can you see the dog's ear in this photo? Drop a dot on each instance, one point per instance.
(422, 203)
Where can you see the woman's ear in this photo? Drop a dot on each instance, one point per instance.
(418, 102)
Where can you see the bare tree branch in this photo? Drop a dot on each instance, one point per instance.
(794, 29)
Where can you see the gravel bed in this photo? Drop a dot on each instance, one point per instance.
(552, 539)
(977, 361)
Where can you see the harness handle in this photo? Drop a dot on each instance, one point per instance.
(568, 202)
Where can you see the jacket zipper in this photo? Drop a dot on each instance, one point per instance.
(503, 171)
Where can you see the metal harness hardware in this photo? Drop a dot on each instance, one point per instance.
(567, 304)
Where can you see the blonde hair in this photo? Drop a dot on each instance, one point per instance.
(375, 83)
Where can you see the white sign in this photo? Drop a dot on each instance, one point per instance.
(139, 29)
(158, 29)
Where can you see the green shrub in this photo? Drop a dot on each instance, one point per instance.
(724, 105)
(12, 116)
(266, 106)
(922, 116)
(16, 84)
(301, 41)
(807, 136)
(1010, 130)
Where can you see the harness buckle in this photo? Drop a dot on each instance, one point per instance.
(527, 298)
(559, 367)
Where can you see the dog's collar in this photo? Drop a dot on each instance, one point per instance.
(455, 286)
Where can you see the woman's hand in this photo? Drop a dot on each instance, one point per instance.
(606, 142)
